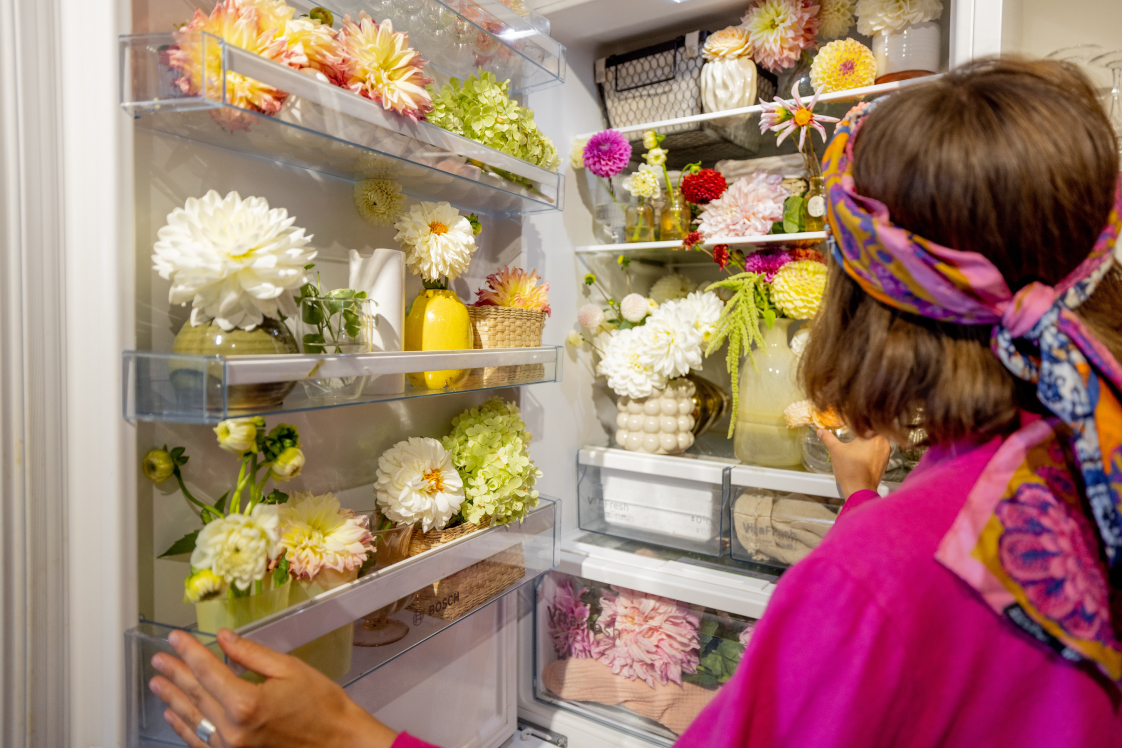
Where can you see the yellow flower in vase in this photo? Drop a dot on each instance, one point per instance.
(843, 65)
(798, 287)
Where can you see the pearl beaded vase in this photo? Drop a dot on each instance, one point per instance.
(661, 423)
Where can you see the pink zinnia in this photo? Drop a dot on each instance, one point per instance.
(647, 637)
(607, 153)
(767, 264)
(568, 623)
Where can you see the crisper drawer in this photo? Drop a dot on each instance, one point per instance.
(588, 658)
(777, 517)
(671, 501)
(362, 627)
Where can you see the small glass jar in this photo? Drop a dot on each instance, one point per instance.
(816, 458)
(332, 325)
(675, 218)
(814, 205)
(639, 221)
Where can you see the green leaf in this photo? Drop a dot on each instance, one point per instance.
(220, 505)
(185, 544)
(275, 497)
(731, 650)
(625, 324)
(793, 221)
(280, 574)
(709, 626)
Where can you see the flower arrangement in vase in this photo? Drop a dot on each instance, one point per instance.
(238, 262)
(510, 312)
(906, 36)
(604, 156)
(439, 244)
(634, 645)
(338, 321)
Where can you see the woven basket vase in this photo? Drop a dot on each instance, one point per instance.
(457, 595)
(507, 327)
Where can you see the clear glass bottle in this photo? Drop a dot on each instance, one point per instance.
(814, 208)
(675, 218)
(639, 221)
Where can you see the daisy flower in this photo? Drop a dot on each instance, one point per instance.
(781, 117)
(439, 242)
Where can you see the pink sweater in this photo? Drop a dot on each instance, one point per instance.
(870, 642)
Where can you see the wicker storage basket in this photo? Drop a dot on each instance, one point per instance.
(506, 327)
(457, 595)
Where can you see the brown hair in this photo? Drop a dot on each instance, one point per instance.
(1012, 159)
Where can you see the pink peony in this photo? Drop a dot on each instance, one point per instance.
(647, 637)
(767, 263)
(748, 208)
(607, 153)
(568, 623)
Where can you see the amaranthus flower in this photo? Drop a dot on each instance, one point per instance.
(783, 118)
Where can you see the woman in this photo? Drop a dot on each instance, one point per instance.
(981, 604)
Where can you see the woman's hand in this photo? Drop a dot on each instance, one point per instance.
(858, 465)
(296, 706)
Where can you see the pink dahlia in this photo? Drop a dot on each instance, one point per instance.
(568, 623)
(767, 263)
(647, 637)
(607, 153)
(748, 208)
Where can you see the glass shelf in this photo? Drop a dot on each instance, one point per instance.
(671, 253)
(524, 550)
(207, 389)
(327, 129)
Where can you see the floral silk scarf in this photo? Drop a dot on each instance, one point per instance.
(1040, 541)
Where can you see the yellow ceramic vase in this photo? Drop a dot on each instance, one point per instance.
(438, 321)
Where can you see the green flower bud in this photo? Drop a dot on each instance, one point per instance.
(287, 465)
(157, 465)
(203, 585)
(237, 435)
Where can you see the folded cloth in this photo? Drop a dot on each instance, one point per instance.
(781, 528)
(670, 705)
(792, 166)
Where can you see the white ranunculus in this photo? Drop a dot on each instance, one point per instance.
(438, 241)
(622, 364)
(237, 435)
(233, 259)
(288, 464)
(238, 548)
(418, 483)
(672, 345)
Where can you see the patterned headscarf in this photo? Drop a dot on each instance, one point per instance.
(1041, 542)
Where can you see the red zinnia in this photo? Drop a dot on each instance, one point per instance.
(703, 186)
(721, 255)
(692, 240)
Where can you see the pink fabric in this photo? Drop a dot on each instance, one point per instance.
(405, 740)
(870, 642)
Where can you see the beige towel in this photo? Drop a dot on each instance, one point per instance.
(779, 527)
(590, 680)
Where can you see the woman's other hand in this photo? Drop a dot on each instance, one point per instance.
(296, 706)
(859, 464)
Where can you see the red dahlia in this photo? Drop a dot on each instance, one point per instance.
(704, 186)
(692, 240)
(721, 255)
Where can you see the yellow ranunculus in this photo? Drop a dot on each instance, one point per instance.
(650, 139)
(237, 435)
(288, 465)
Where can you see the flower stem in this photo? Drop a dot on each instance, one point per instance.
(205, 509)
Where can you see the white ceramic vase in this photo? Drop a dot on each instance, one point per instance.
(661, 423)
(914, 48)
(728, 84)
(761, 436)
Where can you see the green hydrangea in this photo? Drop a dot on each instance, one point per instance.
(479, 108)
(490, 448)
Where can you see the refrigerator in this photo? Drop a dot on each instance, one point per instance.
(101, 146)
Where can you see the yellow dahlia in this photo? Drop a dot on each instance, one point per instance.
(842, 65)
(797, 288)
(319, 43)
(317, 534)
(381, 66)
(272, 15)
(237, 25)
(379, 200)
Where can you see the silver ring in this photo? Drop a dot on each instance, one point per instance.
(205, 730)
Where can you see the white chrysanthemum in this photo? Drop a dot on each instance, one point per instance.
(239, 548)
(378, 200)
(835, 17)
(672, 345)
(621, 364)
(702, 307)
(233, 259)
(876, 16)
(418, 483)
(590, 316)
(438, 241)
(317, 534)
(643, 183)
(671, 287)
(576, 153)
(634, 307)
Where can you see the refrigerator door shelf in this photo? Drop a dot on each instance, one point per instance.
(671, 252)
(197, 389)
(447, 592)
(323, 127)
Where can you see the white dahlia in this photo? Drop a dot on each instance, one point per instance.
(623, 366)
(671, 345)
(671, 287)
(835, 17)
(317, 534)
(876, 16)
(233, 259)
(747, 208)
(702, 307)
(238, 548)
(378, 200)
(418, 483)
(438, 241)
(643, 183)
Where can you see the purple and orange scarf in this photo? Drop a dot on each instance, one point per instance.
(1039, 541)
